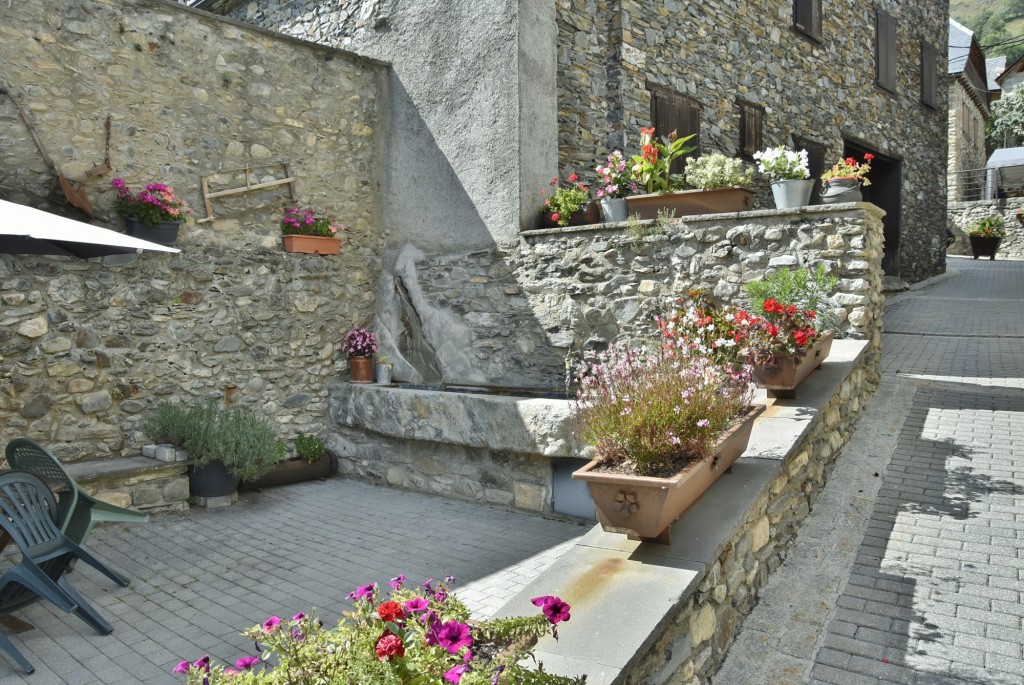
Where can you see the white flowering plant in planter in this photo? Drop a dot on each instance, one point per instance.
(783, 164)
(710, 172)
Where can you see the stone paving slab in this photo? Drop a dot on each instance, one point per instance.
(911, 567)
(202, 577)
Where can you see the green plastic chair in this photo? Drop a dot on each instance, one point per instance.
(77, 510)
(26, 510)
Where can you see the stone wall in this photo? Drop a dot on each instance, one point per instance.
(565, 292)
(966, 142)
(963, 214)
(609, 52)
(694, 643)
(188, 95)
(86, 347)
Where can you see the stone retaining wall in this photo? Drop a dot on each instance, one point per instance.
(963, 214)
(694, 644)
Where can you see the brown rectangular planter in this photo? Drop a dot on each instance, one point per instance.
(644, 507)
(781, 376)
(295, 471)
(691, 202)
(311, 244)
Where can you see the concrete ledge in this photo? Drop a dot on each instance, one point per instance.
(641, 611)
(140, 483)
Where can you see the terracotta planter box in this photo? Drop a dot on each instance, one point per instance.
(691, 202)
(782, 375)
(295, 471)
(311, 244)
(644, 507)
(984, 247)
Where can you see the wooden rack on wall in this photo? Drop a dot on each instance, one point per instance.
(208, 196)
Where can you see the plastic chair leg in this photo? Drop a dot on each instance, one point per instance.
(85, 610)
(15, 655)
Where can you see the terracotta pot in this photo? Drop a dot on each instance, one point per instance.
(691, 202)
(360, 369)
(982, 246)
(644, 507)
(782, 375)
(590, 213)
(311, 244)
(295, 471)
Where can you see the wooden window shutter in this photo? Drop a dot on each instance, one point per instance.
(929, 65)
(885, 50)
(751, 127)
(807, 17)
(672, 111)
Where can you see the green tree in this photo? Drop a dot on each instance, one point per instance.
(1008, 119)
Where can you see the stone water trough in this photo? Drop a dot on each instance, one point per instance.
(507, 449)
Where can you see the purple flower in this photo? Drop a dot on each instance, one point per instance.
(454, 674)
(363, 591)
(398, 582)
(299, 616)
(553, 607)
(247, 662)
(415, 605)
(183, 666)
(119, 184)
(440, 596)
(203, 664)
(497, 674)
(271, 624)
(449, 580)
(451, 635)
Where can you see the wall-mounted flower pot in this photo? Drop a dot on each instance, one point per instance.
(691, 202)
(644, 507)
(782, 375)
(164, 233)
(311, 244)
(982, 246)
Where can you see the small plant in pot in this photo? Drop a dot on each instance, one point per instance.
(985, 235)
(360, 344)
(310, 231)
(715, 171)
(842, 182)
(567, 204)
(225, 446)
(665, 421)
(806, 288)
(614, 183)
(789, 174)
(154, 213)
(384, 368)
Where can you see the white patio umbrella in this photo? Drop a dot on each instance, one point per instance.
(24, 230)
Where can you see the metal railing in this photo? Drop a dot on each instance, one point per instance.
(986, 184)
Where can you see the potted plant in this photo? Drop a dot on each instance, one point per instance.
(804, 287)
(360, 345)
(651, 171)
(842, 182)
(225, 446)
(312, 460)
(384, 368)
(310, 232)
(153, 214)
(664, 422)
(568, 205)
(614, 183)
(985, 235)
(723, 183)
(788, 172)
(785, 347)
(420, 634)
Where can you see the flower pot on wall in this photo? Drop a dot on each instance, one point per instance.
(837, 190)
(360, 369)
(164, 233)
(983, 246)
(587, 214)
(311, 244)
(691, 202)
(792, 193)
(614, 209)
(384, 374)
(782, 375)
(644, 507)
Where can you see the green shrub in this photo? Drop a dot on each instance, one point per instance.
(806, 288)
(246, 444)
(309, 447)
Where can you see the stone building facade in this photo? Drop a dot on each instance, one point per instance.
(968, 115)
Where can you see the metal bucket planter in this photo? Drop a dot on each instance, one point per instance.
(360, 369)
(792, 193)
(782, 375)
(644, 507)
(614, 209)
(691, 202)
(838, 190)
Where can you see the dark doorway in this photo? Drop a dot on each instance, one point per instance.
(883, 192)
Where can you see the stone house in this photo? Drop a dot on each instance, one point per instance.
(568, 81)
(968, 113)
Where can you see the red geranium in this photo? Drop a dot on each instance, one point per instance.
(391, 611)
(389, 646)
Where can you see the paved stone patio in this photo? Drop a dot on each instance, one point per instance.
(910, 569)
(201, 578)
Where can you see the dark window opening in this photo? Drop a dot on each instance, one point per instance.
(929, 65)
(885, 50)
(673, 111)
(751, 128)
(807, 17)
